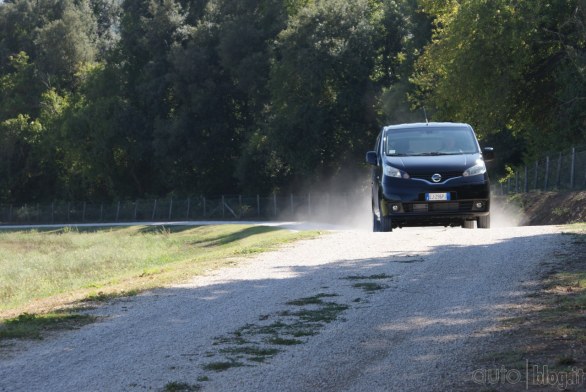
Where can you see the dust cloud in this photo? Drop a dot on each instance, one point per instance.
(505, 214)
(344, 202)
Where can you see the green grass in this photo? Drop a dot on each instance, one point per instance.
(259, 343)
(221, 366)
(364, 277)
(181, 387)
(41, 269)
(279, 341)
(30, 326)
(251, 353)
(326, 313)
(315, 300)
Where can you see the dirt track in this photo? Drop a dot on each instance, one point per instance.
(353, 310)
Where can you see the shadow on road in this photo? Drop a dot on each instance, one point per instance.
(407, 319)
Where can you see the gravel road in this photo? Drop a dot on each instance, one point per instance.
(349, 311)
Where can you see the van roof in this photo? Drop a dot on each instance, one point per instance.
(431, 125)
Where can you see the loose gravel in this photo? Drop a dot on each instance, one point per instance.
(349, 311)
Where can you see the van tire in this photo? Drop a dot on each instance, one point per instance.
(385, 223)
(484, 222)
(468, 224)
(375, 224)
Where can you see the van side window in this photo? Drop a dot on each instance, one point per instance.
(377, 144)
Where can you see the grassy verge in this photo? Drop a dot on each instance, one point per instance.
(45, 270)
(31, 326)
(544, 348)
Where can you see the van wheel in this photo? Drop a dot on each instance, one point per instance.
(385, 223)
(484, 222)
(375, 224)
(468, 224)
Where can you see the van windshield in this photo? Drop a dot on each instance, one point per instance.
(430, 141)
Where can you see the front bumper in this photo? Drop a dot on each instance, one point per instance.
(404, 201)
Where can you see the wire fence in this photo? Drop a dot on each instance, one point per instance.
(559, 171)
(225, 207)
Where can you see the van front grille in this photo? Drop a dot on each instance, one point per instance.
(444, 207)
(463, 206)
(427, 176)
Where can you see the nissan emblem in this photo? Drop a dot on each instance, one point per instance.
(436, 177)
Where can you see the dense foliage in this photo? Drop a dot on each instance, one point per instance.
(105, 99)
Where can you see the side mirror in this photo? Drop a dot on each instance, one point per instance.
(488, 153)
(371, 158)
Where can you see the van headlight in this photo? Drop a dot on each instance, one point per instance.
(391, 171)
(478, 168)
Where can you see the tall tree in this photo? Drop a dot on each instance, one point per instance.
(505, 66)
(43, 44)
(140, 64)
(219, 77)
(65, 44)
(331, 64)
(405, 30)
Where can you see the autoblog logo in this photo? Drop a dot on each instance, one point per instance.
(532, 375)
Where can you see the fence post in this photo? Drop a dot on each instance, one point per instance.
(170, 208)
(240, 206)
(558, 172)
(223, 208)
(536, 173)
(135, 214)
(154, 210)
(275, 203)
(546, 180)
(101, 212)
(118, 211)
(188, 208)
(573, 168)
(584, 183)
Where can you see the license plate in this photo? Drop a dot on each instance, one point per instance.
(437, 196)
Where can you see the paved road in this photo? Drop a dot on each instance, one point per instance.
(350, 311)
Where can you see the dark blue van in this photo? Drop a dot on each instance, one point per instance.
(429, 174)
